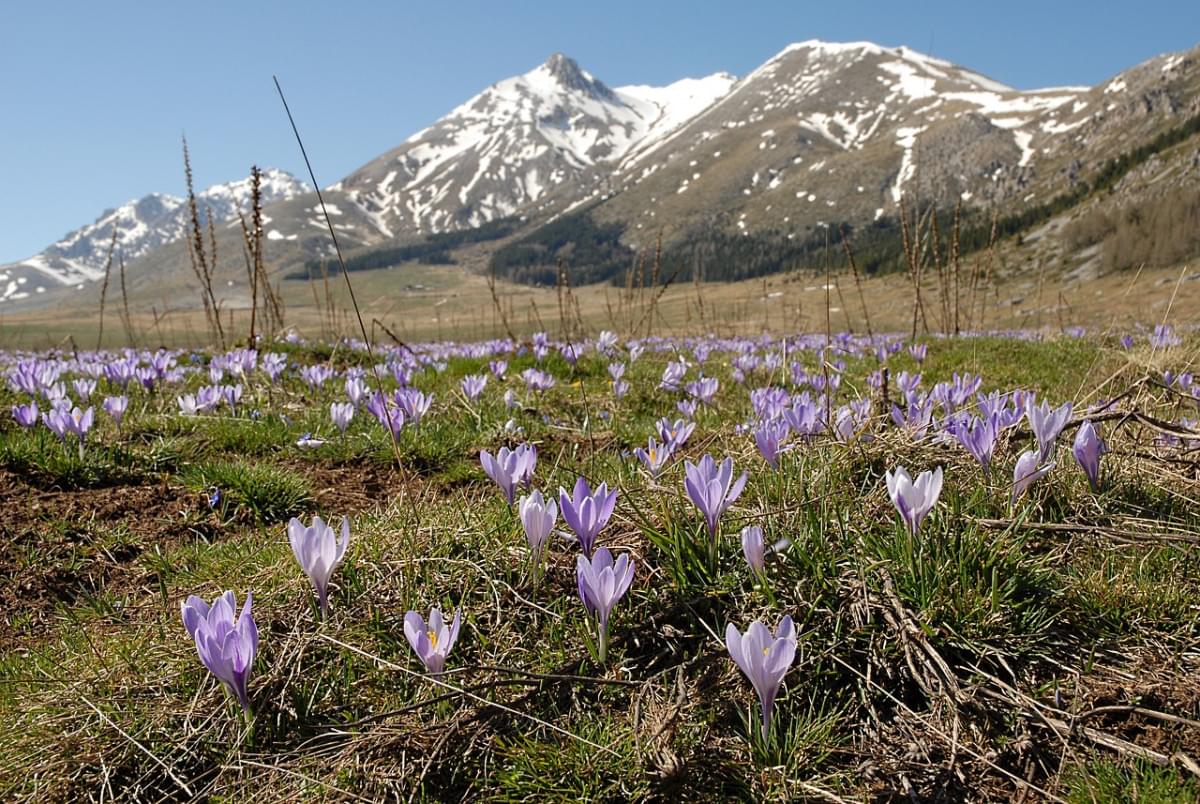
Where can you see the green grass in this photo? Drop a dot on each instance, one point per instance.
(1106, 780)
(344, 709)
(263, 492)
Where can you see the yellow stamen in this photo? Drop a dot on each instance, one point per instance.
(433, 637)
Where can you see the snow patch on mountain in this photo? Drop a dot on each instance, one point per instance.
(141, 226)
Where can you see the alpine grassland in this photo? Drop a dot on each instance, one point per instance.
(782, 567)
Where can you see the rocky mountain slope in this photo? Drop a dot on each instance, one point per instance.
(142, 226)
(823, 136)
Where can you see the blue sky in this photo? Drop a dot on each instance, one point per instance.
(95, 96)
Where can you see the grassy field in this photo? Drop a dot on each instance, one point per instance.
(1046, 649)
(419, 303)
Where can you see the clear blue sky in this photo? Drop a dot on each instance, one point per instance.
(94, 96)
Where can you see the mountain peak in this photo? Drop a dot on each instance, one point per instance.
(567, 73)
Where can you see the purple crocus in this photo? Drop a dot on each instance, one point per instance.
(84, 388)
(226, 644)
(25, 415)
(765, 659)
(538, 516)
(1046, 424)
(674, 433)
(1028, 470)
(318, 551)
(769, 437)
(753, 549)
(80, 422)
(914, 499)
(432, 641)
(341, 413)
(1088, 448)
(654, 457)
(473, 385)
(712, 489)
(602, 582)
(979, 438)
(509, 467)
(586, 512)
(116, 406)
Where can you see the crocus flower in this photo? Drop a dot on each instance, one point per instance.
(712, 488)
(753, 549)
(765, 659)
(672, 376)
(509, 467)
(979, 438)
(25, 415)
(473, 385)
(341, 413)
(318, 551)
(188, 405)
(116, 406)
(1088, 448)
(606, 342)
(431, 641)
(537, 380)
(769, 438)
(538, 516)
(84, 388)
(654, 457)
(55, 421)
(914, 499)
(414, 403)
(226, 644)
(80, 422)
(1027, 471)
(587, 512)
(674, 433)
(602, 582)
(1046, 424)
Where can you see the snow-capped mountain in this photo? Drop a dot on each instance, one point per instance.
(507, 147)
(822, 134)
(839, 131)
(832, 133)
(142, 226)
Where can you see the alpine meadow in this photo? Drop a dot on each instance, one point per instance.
(827, 432)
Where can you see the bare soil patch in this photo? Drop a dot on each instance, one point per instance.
(57, 545)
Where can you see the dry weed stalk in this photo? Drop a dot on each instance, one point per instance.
(203, 266)
(112, 247)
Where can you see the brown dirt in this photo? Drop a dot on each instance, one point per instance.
(58, 545)
(348, 488)
(1158, 684)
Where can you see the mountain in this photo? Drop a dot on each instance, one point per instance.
(832, 137)
(142, 226)
(738, 177)
(831, 134)
(556, 126)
